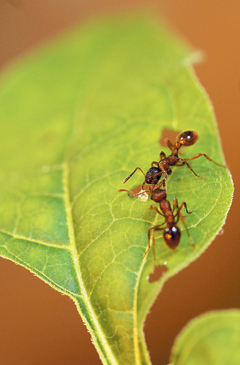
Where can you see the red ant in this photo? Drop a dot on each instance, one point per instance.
(171, 234)
(154, 174)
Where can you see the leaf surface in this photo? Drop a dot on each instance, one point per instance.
(213, 338)
(76, 118)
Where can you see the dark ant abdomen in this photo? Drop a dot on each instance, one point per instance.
(172, 236)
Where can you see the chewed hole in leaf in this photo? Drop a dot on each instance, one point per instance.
(157, 273)
(168, 134)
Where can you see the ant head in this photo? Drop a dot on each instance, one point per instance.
(187, 138)
(172, 236)
(151, 176)
(158, 195)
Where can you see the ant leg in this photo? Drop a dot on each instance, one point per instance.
(162, 155)
(152, 207)
(184, 204)
(143, 184)
(169, 144)
(127, 178)
(154, 163)
(179, 214)
(157, 186)
(133, 195)
(153, 245)
(183, 162)
(175, 205)
(162, 182)
(149, 238)
(153, 228)
(206, 156)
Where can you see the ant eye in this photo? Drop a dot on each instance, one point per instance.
(188, 138)
(172, 237)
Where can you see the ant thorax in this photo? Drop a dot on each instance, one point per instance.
(173, 159)
(164, 167)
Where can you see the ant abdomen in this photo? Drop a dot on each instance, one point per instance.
(172, 236)
(187, 138)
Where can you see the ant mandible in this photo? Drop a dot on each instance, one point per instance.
(172, 233)
(163, 167)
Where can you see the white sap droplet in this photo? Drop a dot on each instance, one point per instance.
(143, 197)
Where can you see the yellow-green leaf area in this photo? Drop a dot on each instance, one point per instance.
(213, 338)
(76, 118)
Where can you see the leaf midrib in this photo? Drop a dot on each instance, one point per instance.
(82, 288)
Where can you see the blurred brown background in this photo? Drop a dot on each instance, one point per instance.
(39, 325)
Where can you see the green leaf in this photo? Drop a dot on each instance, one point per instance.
(76, 118)
(212, 338)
